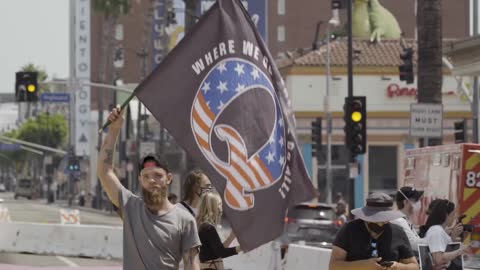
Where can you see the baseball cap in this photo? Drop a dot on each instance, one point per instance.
(408, 193)
(153, 160)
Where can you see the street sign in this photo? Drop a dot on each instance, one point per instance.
(8, 147)
(55, 97)
(426, 120)
(82, 64)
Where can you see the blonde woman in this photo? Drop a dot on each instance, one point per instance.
(212, 250)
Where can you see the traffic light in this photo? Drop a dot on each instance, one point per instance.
(460, 131)
(316, 136)
(73, 164)
(406, 69)
(26, 86)
(355, 116)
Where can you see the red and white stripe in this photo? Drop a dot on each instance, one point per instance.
(241, 174)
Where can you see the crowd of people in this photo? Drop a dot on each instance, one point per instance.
(160, 231)
(382, 237)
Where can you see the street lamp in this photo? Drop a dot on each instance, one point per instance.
(334, 21)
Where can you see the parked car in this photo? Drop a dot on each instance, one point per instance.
(312, 224)
(24, 189)
(2, 187)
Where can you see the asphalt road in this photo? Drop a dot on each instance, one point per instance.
(38, 211)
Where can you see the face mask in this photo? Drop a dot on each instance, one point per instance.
(203, 191)
(374, 227)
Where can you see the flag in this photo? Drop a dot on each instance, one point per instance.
(221, 97)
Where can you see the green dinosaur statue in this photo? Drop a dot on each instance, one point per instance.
(372, 20)
(384, 24)
(361, 19)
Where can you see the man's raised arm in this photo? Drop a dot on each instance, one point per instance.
(110, 182)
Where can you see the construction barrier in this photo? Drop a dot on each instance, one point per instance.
(301, 257)
(70, 240)
(266, 257)
(69, 216)
(4, 214)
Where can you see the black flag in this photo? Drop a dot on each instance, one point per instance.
(221, 97)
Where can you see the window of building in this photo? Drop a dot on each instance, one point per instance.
(281, 33)
(382, 168)
(281, 7)
(340, 183)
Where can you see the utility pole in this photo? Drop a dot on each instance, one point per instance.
(72, 86)
(350, 182)
(350, 47)
(142, 54)
(332, 22)
(475, 110)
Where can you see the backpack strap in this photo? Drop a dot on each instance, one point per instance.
(188, 208)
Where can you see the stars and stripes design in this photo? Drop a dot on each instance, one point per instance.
(224, 83)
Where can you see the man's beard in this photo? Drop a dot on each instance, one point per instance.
(154, 197)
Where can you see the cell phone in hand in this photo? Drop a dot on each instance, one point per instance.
(386, 263)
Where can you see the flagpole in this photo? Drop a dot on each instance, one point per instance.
(125, 103)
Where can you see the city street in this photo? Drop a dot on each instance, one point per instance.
(39, 211)
(295, 134)
(23, 210)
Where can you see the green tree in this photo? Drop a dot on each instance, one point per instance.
(112, 8)
(45, 129)
(48, 130)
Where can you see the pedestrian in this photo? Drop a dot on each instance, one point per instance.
(370, 241)
(172, 198)
(196, 183)
(213, 250)
(408, 202)
(341, 212)
(156, 233)
(442, 215)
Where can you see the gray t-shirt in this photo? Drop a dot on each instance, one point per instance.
(188, 208)
(154, 242)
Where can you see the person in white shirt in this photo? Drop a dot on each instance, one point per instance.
(441, 216)
(408, 202)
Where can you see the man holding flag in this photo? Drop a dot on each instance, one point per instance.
(221, 97)
(156, 233)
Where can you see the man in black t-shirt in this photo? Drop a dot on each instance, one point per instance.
(371, 242)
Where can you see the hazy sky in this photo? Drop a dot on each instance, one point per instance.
(33, 31)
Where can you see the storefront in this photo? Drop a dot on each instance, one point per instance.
(388, 107)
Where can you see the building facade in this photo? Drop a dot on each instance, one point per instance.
(388, 111)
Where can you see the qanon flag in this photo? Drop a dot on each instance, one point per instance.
(221, 97)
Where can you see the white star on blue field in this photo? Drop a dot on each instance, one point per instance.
(229, 79)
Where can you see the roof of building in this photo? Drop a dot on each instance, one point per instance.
(369, 54)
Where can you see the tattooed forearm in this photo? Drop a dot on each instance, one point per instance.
(190, 259)
(109, 156)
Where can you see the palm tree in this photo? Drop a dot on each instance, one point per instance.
(429, 64)
(111, 10)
